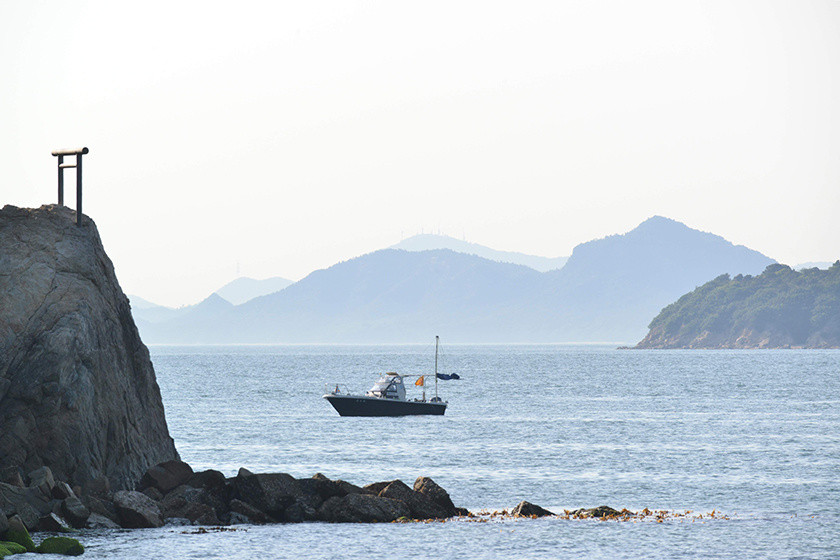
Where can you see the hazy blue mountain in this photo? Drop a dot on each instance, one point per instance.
(139, 303)
(193, 315)
(611, 287)
(149, 312)
(236, 292)
(152, 323)
(429, 242)
(385, 296)
(213, 306)
(608, 291)
(244, 289)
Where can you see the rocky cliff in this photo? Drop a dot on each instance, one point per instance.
(77, 388)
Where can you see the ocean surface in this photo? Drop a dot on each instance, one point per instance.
(753, 436)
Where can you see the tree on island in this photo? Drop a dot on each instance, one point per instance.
(780, 308)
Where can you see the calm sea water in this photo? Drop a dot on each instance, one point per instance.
(752, 434)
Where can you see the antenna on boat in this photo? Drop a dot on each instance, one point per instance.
(437, 341)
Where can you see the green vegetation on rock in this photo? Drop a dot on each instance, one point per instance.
(21, 538)
(61, 545)
(780, 308)
(7, 548)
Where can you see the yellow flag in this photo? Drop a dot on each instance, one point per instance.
(420, 380)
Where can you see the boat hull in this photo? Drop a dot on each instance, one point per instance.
(349, 405)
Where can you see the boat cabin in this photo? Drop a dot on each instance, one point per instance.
(388, 386)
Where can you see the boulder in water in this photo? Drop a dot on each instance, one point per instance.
(435, 493)
(64, 546)
(17, 533)
(420, 505)
(527, 509)
(136, 510)
(362, 508)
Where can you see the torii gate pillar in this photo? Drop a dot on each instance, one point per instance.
(78, 152)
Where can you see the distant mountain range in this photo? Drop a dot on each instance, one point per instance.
(429, 242)
(233, 293)
(607, 291)
(246, 289)
(614, 286)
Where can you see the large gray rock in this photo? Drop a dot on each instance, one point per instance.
(75, 512)
(420, 505)
(242, 513)
(435, 493)
(270, 493)
(77, 388)
(54, 523)
(103, 508)
(166, 476)
(29, 515)
(330, 488)
(62, 491)
(283, 498)
(11, 475)
(527, 509)
(209, 488)
(97, 521)
(187, 502)
(42, 478)
(29, 503)
(136, 510)
(209, 479)
(362, 508)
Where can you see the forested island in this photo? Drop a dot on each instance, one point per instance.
(780, 308)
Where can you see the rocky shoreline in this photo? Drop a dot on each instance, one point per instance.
(172, 493)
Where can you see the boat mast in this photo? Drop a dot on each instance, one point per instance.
(437, 341)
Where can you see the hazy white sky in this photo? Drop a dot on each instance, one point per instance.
(275, 138)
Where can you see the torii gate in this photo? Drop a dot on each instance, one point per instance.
(78, 152)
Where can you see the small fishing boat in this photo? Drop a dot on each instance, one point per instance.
(387, 397)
